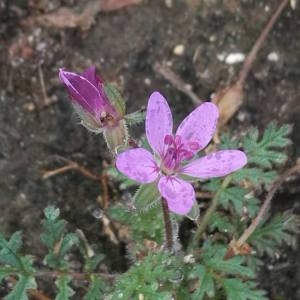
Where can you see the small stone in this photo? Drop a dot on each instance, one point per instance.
(147, 81)
(221, 56)
(212, 38)
(273, 56)
(234, 58)
(169, 3)
(179, 50)
(30, 106)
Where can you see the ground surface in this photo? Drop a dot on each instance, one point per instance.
(125, 44)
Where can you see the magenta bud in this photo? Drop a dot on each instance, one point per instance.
(93, 102)
(89, 98)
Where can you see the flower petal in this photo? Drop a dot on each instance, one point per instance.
(159, 122)
(83, 92)
(91, 75)
(199, 126)
(137, 164)
(216, 164)
(179, 194)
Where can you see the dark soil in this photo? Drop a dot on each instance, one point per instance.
(124, 45)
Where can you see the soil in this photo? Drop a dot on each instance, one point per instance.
(38, 124)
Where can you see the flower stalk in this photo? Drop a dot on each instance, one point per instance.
(168, 224)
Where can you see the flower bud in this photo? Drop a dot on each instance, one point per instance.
(100, 106)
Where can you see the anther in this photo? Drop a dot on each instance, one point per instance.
(168, 139)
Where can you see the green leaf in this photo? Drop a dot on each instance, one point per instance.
(213, 258)
(67, 242)
(9, 249)
(142, 225)
(269, 235)
(221, 223)
(227, 142)
(54, 238)
(64, 290)
(147, 278)
(231, 266)
(267, 150)
(19, 291)
(146, 196)
(135, 118)
(235, 196)
(206, 283)
(254, 175)
(236, 289)
(95, 289)
(51, 213)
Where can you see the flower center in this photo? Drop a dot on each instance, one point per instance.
(107, 119)
(176, 152)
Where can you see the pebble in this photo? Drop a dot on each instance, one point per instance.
(147, 81)
(169, 3)
(179, 50)
(234, 58)
(273, 56)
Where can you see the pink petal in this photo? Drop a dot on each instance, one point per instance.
(179, 194)
(199, 126)
(216, 164)
(137, 164)
(91, 75)
(82, 91)
(159, 122)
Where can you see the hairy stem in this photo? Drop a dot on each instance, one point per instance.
(168, 224)
(212, 208)
(266, 204)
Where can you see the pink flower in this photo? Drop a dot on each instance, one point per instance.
(89, 99)
(173, 154)
(99, 105)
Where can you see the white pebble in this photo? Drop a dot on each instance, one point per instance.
(221, 56)
(147, 81)
(234, 58)
(273, 56)
(179, 50)
(169, 3)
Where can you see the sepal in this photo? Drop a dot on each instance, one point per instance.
(146, 196)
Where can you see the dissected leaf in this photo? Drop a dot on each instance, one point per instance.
(238, 290)
(20, 289)
(270, 234)
(95, 290)
(206, 283)
(267, 150)
(64, 289)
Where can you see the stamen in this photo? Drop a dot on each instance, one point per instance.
(177, 140)
(168, 139)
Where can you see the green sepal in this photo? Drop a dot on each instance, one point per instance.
(194, 213)
(115, 98)
(134, 118)
(116, 136)
(146, 196)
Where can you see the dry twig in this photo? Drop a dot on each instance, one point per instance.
(71, 166)
(176, 81)
(235, 247)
